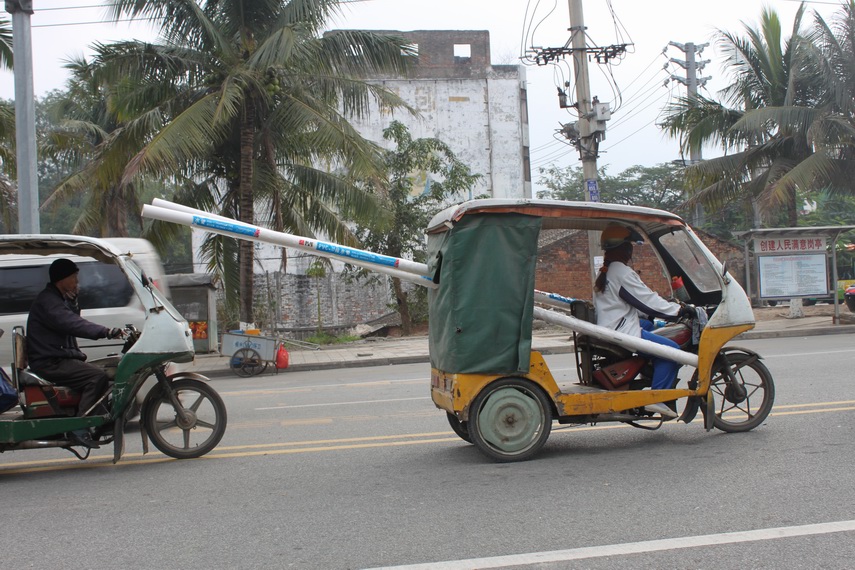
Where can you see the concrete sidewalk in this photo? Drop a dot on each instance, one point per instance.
(385, 351)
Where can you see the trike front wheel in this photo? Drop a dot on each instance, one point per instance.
(191, 431)
(744, 392)
(510, 419)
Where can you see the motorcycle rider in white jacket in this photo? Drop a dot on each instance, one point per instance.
(621, 297)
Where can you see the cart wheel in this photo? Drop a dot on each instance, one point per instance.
(247, 362)
(460, 428)
(746, 400)
(510, 420)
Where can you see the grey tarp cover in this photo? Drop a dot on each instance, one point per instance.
(480, 316)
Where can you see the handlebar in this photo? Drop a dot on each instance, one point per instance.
(132, 334)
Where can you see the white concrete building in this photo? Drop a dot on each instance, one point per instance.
(480, 110)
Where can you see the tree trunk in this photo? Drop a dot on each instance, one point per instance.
(792, 210)
(247, 142)
(403, 307)
(115, 222)
(796, 311)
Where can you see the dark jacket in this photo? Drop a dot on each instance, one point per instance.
(52, 328)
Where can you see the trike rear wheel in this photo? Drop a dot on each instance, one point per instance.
(510, 420)
(192, 432)
(460, 428)
(743, 401)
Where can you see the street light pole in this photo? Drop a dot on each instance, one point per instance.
(25, 117)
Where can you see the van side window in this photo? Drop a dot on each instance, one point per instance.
(101, 286)
(19, 286)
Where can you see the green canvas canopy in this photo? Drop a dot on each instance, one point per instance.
(481, 313)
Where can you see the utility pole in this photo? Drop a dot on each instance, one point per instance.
(587, 133)
(692, 82)
(589, 140)
(588, 145)
(25, 117)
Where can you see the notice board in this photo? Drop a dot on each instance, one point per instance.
(793, 275)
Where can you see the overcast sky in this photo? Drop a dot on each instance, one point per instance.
(63, 28)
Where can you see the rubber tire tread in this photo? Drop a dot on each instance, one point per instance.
(737, 358)
(489, 450)
(152, 405)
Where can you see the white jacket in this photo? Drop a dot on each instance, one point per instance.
(625, 298)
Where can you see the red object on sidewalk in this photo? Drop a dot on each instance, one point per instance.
(281, 357)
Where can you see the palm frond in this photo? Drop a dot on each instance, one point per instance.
(6, 56)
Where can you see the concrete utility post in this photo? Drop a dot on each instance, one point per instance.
(588, 144)
(692, 82)
(25, 117)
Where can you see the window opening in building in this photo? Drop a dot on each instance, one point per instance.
(462, 51)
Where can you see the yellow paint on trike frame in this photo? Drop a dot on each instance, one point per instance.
(454, 393)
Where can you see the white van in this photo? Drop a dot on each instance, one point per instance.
(106, 297)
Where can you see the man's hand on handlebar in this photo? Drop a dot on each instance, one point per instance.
(116, 333)
(688, 311)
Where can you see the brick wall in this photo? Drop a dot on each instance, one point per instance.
(563, 266)
(344, 302)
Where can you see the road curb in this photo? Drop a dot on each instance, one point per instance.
(364, 363)
(425, 358)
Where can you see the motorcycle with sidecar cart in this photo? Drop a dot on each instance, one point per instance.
(499, 394)
(182, 415)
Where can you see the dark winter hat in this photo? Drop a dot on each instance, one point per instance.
(62, 268)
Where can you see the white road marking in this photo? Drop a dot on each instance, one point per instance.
(632, 547)
(327, 404)
(309, 387)
(800, 354)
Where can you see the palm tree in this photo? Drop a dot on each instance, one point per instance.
(7, 135)
(762, 122)
(6, 58)
(251, 102)
(92, 140)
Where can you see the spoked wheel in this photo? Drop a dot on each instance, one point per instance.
(743, 393)
(191, 431)
(510, 420)
(460, 428)
(247, 362)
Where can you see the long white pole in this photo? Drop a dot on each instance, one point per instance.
(630, 342)
(394, 266)
(397, 267)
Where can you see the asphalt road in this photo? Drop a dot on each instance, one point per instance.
(356, 468)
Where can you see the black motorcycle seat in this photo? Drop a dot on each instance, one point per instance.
(30, 378)
(602, 345)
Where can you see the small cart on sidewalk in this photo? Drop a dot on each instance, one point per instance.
(251, 354)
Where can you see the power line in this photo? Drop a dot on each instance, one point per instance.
(92, 22)
(88, 7)
(544, 146)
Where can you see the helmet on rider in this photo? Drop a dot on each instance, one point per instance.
(616, 235)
